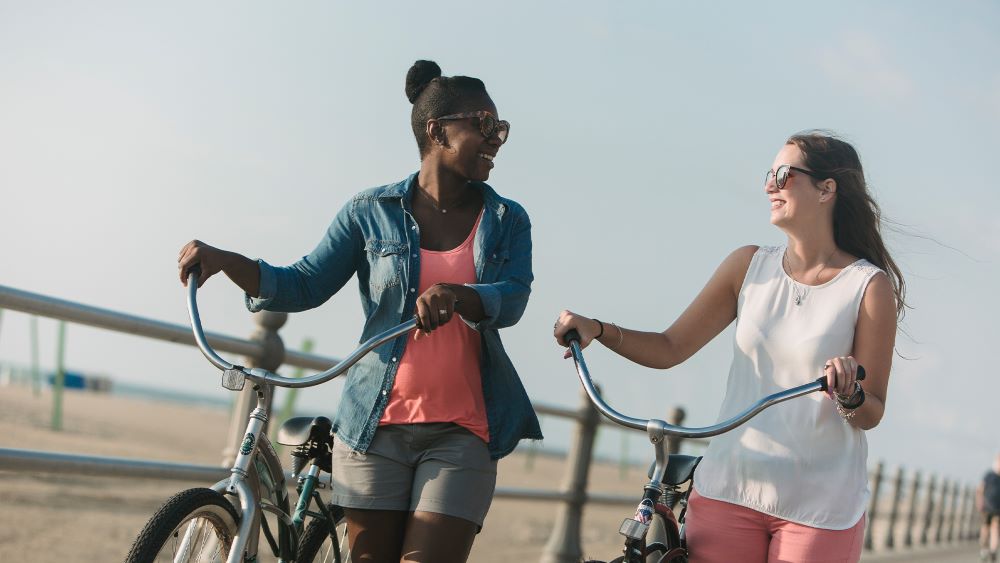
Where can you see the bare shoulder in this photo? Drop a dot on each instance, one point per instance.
(879, 291)
(734, 267)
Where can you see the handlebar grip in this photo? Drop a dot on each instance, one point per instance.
(822, 379)
(571, 336)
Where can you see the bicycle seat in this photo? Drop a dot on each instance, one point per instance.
(680, 469)
(298, 430)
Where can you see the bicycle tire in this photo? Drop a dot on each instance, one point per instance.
(203, 511)
(326, 539)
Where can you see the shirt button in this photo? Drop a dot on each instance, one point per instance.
(393, 359)
(494, 255)
(413, 255)
(413, 228)
(412, 290)
(384, 392)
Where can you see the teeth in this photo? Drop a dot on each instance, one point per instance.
(486, 156)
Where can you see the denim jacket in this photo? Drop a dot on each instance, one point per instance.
(376, 236)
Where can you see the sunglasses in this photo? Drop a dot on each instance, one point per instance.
(781, 176)
(489, 125)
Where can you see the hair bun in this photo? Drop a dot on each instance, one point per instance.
(419, 76)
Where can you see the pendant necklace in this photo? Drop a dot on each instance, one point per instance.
(799, 291)
(434, 204)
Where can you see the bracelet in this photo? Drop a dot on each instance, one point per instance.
(854, 400)
(600, 334)
(621, 336)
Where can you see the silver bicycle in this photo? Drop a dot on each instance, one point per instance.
(653, 534)
(226, 521)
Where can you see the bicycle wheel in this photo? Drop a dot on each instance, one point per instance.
(196, 525)
(325, 541)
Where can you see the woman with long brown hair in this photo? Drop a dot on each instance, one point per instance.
(791, 484)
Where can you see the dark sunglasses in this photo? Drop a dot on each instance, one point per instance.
(489, 125)
(781, 176)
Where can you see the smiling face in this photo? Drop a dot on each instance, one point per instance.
(800, 201)
(466, 152)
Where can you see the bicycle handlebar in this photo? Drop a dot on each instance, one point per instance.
(265, 376)
(573, 339)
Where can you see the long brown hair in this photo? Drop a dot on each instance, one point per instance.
(857, 219)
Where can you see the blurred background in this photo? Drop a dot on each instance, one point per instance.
(641, 133)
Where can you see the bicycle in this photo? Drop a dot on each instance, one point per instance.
(653, 534)
(225, 522)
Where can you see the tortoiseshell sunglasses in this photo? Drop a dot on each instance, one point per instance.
(489, 125)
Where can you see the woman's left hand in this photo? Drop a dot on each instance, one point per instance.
(435, 307)
(841, 373)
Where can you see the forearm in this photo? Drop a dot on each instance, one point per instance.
(650, 349)
(869, 414)
(243, 271)
(468, 304)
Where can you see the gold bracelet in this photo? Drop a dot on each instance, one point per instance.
(621, 336)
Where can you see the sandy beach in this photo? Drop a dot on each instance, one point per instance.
(57, 518)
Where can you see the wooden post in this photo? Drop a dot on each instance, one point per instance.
(564, 542)
(60, 379)
(928, 511)
(271, 358)
(960, 516)
(942, 507)
(911, 516)
(897, 494)
(876, 479)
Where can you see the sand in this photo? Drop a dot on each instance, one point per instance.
(57, 518)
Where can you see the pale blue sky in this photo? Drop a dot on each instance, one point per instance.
(641, 133)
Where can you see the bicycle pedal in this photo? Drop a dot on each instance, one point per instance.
(633, 529)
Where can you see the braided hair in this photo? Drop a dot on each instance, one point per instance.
(433, 95)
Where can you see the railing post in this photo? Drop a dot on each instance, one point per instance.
(956, 491)
(928, 511)
(971, 524)
(676, 417)
(271, 358)
(564, 542)
(876, 479)
(897, 494)
(942, 506)
(911, 517)
(960, 516)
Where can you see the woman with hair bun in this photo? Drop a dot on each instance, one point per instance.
(790, 484)
(423, 419)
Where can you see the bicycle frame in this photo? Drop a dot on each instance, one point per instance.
(244, 481)
(635, 529)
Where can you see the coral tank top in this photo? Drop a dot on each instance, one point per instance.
(438, 379)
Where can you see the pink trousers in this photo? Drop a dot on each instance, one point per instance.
(721, 532)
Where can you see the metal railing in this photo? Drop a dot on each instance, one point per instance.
(265, 349)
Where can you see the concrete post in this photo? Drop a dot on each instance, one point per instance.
(911, 517)
(272, 357)
(564, 542)
(928, 511)
(942, 506)
(897, 495)
(956, 491)
(876, 479)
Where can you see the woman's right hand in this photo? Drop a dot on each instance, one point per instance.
(211, 259)
(587, 328)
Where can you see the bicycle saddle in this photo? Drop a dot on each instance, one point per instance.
(680, 469)
(298, 430)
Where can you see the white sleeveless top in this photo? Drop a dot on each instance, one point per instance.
(798, 460)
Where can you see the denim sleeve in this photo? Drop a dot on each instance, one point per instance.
(312, 280)
(505, 300)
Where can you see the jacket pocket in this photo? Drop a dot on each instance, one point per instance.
(385, 264)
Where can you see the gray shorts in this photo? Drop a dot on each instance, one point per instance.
(434, 467)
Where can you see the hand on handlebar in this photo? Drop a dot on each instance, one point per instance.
(435, 307)
(587, 328)
(197, 253)
(841, 373)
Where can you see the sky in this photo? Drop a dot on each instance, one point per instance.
(641, 133)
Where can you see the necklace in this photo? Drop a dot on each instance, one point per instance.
(800, 291)
(434, 204)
